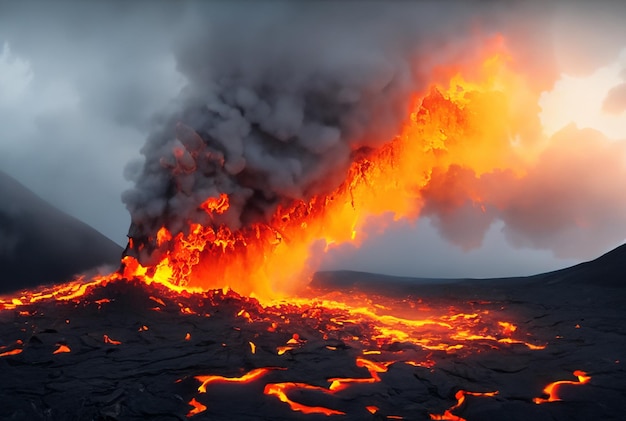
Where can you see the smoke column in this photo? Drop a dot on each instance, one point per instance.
(279, 103)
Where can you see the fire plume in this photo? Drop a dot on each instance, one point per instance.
(466, 123)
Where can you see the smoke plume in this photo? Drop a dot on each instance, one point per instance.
(278, 104)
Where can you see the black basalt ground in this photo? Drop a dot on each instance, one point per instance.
(150, 374)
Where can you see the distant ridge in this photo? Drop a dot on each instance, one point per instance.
(39, 244)
(608, 270)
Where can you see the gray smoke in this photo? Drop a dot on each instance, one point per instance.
(276, 106)
(281, 97)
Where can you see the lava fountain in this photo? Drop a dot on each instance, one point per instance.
(455, 132)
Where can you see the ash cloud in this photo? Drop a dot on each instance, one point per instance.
(279, 101)
(276, 106)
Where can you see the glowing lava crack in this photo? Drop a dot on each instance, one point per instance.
(314, 356)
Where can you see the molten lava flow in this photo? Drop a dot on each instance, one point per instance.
(338, 384)
(280, 390)
(551, 390)
(460, 399)
(460, 127)
(248, 377)
(197, 408)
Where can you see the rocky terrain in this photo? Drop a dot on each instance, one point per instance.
(466, 349)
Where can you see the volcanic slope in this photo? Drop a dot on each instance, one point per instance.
(40, 244)
(546, 347)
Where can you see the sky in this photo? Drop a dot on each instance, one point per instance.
(82, 86)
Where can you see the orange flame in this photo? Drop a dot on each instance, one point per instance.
(466, 122)
(216, 204)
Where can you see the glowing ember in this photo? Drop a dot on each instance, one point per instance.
(11, 352)
(110, 341)
(62, 348)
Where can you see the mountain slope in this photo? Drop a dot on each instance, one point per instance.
(40, 244)
(608, 270)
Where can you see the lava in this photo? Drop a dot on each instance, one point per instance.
(248, 377)
(110, 341)
(552, 389)
(457, 126)
(62, 348)
(197, 407)
(463, 123)
(460, 399)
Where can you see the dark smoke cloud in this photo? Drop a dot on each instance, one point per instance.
(276, 106)
(281, 93)
(278, 101)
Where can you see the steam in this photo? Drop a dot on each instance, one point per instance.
(279, 103)
(570, 202)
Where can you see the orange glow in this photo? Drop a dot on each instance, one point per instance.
(466, 120)
(463, 122)
(197, 408)
(460, 399)
(216, 204)
(372, 409)
(338, 384)
(11, 352)
(110, 341)
(248, 377)
(280, 390)
(551, 390)
(163, 236)
(508, 327)
(62, 349)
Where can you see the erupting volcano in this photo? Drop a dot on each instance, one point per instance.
(272, 159)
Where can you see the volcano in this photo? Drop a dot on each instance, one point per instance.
(298, 131)
(354, 347)
(41, 244)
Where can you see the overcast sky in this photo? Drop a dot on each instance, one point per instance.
(83, 83)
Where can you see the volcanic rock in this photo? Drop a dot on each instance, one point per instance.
(474, 350)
